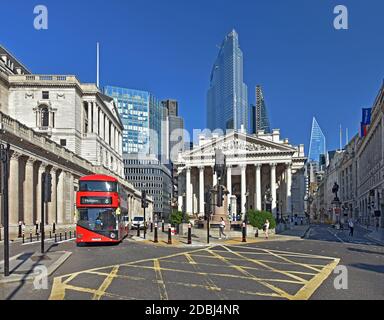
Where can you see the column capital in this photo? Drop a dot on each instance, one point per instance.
(288, 164)
(188, 168)
(201, 168)
(273, 164)
(15, 155)
(243, 166)
(258, 165)
(229, 166)
(31, 161)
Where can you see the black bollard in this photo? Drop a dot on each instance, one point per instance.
(70, 234)
(20, 230)
(151, 227)
(244, 233)
(65, 234)
(189, 233)
(138, 230)
(162, 227)
(257, 233)
(54, 228)
(23, 238)
(169, 234)
(37, 228)
(37, 237)
(156, 240)
(55, 237)
(50, 234)
(30, 236)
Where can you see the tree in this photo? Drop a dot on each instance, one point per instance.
(177, 218)
(258, 218)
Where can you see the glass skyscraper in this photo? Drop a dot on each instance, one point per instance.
(317, 145)
(227, 98)
(141, 114)
(259, 114)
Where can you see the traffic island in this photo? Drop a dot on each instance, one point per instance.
(29, 265)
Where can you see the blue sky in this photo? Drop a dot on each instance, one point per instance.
(305, 66)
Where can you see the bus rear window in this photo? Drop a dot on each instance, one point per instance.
(98, 186)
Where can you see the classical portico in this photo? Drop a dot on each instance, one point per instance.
(259, 170)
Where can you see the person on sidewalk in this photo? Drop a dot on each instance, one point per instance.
(222, 228)
(266, 228)
(351, 227)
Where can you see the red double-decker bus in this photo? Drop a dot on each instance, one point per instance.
(101, 207)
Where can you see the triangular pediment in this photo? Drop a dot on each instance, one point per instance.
(236, 142)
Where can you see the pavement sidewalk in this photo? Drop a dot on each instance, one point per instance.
(27, 266)
(375, 235)
(297, 231)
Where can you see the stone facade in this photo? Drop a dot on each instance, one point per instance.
(256, 165)
(76, 116)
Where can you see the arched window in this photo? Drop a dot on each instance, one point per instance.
(44, 117)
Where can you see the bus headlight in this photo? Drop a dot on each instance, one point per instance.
(113, 236)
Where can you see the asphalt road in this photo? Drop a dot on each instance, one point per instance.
(293, 269)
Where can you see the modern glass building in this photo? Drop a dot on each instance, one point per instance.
(317, 145)
(141, 114)
(259, 119)
(227, 98)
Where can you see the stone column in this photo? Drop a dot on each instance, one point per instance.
(243, 188)
(214, 177)
(94, 122)
(72, 200)
(229, 181)
(29, 199)
(13, 185)
(189, 191)
(102, 124)
(273, 188)
(52, 206)
(258, 187)
(60, 197)
(89, 115)
(41, 170)
(201, 189)
(288, 202)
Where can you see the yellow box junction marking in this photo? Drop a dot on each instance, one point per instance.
(244, 260)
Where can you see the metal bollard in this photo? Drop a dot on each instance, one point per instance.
(169, 234)
(37, 227)
(54, 228)
(20, 230)
(23, 237)
(162, 227)
(156, 240)
(70, 234)
(138, 230)
(244, 232)
(30, 235)
(189, 233)
(55, 237)
(65, 234)
(257, 233)
(50, 234)
(74, 234)
(151, 227)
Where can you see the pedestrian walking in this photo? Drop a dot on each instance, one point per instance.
(266, 228)
(222, 228)
(351, 227)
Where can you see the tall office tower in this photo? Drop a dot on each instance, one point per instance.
(141, 114)
(259, 119)
(172, 107)
(173, 141)
(317, 145)
(227, 98)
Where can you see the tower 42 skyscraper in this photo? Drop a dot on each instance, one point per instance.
(227, 98)
(317, 144)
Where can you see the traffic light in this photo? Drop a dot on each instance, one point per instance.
(47, 187)
(144, 203)
(220, 196)
(220, 164)
(207, 204)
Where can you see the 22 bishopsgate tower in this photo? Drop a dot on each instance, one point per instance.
(227, 98)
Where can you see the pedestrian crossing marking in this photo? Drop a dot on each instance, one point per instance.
(220, 270)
